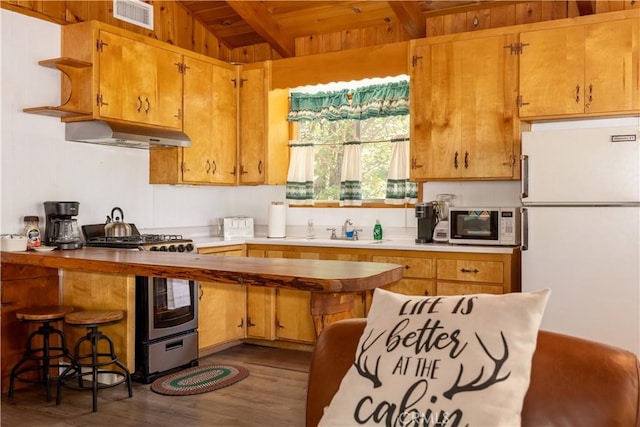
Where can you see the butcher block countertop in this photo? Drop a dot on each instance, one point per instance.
(318, 276)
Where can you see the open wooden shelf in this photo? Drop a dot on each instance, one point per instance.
(65, 62)
(61, 112)
(75, 70)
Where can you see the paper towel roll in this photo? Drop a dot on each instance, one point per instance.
(277, 220)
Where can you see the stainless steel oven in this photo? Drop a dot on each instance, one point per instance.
(166, 326)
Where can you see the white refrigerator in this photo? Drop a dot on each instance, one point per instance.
(581, 229)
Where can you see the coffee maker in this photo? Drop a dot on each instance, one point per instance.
(427, 219)
(61, 229)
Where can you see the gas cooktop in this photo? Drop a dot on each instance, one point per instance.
(94, 237)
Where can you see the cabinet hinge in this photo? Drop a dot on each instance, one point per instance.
(520, 102)
(100, 44)
(99, 101)
(415, 59)
(516, 48)
(182, 67)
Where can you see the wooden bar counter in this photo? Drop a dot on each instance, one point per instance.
(333, 284)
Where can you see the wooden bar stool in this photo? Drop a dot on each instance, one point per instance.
(88, 364)
(46, 354)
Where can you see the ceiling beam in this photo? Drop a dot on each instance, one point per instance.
(410, 17)
(259, 19)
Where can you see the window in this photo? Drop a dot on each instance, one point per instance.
(349, 139)
(375, 134)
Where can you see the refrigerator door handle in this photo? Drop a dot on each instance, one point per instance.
(525, 176)
(525, 229)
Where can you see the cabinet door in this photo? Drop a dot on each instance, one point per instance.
(138, 82)
(611, 66)
(221, 312)
(552, 72)
(489, 129)
(435, 112)
(210, 120)
(463, 110)
(253, 127)
(260, 312)
(293, 319)
(221, 308)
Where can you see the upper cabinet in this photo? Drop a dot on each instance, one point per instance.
(264, 130)
(580, 70)
(463, 109)
(210, 120)
(137, 82)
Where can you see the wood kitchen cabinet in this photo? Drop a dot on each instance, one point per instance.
(426, 272)
(580, 70)
(264, 130)
(464, 273)
(285, 311)
(23, 287)
(210, 121)
(103, 291)
(221, 306)
(137, 82)
(463, 123)
(117, 75)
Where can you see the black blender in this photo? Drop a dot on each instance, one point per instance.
(427, 219)
(61, 229)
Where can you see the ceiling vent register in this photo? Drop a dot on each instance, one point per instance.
(134, 12)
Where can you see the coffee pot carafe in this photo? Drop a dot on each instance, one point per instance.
(61, 229)
(427, 216)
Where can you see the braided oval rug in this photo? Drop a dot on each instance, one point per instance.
(199, 379)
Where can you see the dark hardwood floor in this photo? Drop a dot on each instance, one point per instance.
(274, 395)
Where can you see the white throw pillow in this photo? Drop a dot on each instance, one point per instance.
(441, 361)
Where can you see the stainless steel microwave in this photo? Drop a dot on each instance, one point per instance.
(484, 226)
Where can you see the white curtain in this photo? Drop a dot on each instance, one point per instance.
(300, 175)
(399, 189)
(351, 177)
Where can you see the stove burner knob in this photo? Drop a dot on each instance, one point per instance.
(189, 247)
(153, 248)
(162, 248)
(180, 248)
(172, 248)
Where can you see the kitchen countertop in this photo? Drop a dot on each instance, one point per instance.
(397, 243)
(312, 275)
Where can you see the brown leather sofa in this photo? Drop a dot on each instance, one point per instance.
(574, 382)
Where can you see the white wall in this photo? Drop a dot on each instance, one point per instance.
(37, 164)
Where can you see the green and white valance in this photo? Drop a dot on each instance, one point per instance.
(380, 100)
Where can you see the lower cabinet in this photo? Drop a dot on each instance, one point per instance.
(426, 273)
(20, 286)
(103, 292)
(221, 306)
(233, 312)
(280, 314)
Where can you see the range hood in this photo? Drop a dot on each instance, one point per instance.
(124, 135)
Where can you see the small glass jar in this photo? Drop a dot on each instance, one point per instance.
(32, 231)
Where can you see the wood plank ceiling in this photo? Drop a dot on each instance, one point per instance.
(243, 23)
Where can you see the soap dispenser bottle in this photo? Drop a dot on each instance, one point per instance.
(377, 230)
